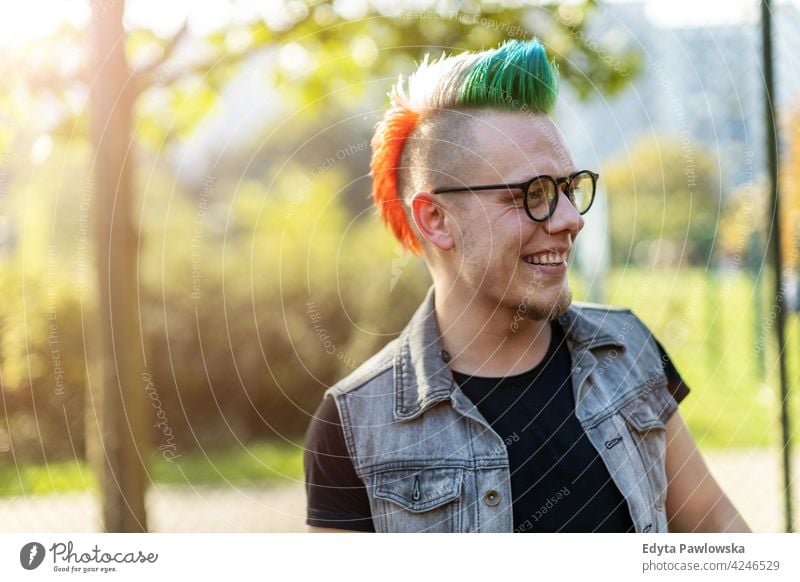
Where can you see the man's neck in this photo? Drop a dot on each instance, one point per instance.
(491, 341)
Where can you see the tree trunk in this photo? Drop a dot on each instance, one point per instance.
(118, 402)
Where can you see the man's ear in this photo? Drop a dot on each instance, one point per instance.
(431, 220)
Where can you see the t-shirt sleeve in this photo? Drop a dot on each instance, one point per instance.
(675, 384)
(336, 496)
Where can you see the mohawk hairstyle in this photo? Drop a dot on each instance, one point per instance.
(515, 76)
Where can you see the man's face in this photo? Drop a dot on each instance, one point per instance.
(503, 259)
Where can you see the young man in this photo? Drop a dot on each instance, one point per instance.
(502, 406)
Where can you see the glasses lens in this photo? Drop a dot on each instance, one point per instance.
(540, 197)
(582, 191)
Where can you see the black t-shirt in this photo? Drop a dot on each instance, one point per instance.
(558, 480)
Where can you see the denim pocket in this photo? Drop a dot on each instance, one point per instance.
(648, 432)
(419, 500)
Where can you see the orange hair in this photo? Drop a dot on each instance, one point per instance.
(387, 148)
(516, 74)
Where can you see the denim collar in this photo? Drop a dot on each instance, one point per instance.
(421, 374)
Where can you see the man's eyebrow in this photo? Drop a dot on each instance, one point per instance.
(510, 194)
(505, 187)
(516, 181)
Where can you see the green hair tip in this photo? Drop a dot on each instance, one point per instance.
(517, 75)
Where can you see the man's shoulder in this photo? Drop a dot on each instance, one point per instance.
(603, 314)
(372, 369)
(590, 321)
(589, 307)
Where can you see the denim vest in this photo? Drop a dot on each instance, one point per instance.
(430, 461)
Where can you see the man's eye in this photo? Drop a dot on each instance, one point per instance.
(514, 197)
(537, 198)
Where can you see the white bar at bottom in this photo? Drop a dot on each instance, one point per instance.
(389, 557)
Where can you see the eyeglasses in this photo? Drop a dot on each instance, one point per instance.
(541, 193)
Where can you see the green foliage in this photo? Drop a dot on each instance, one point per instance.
(41, 365)
(721, 343)
(664, 201)
(258, 296)
(323, 62)
(254, 296)
(42, 358)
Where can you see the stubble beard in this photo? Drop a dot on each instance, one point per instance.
(532, 309)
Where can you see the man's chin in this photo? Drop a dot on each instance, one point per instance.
(539, 310)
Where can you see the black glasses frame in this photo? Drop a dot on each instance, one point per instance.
(525, 185)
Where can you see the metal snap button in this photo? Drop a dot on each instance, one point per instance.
(446, 356)
(491, 498)
(578, 369)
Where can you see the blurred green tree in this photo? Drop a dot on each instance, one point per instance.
(664, 202)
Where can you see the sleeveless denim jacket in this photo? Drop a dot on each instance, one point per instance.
(430, 461)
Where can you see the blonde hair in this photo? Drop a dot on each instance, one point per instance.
(517, 75)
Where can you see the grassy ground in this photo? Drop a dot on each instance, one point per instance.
(261, 462)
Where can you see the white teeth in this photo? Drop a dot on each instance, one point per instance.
(546, 259)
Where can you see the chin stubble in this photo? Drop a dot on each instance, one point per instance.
(538, 312)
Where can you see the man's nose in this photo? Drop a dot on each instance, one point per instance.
(565, 217)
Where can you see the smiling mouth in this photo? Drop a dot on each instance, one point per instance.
(546, 259)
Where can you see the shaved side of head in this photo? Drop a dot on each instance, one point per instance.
(421, 141)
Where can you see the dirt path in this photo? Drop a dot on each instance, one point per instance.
(753, 480)
(750, 477)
